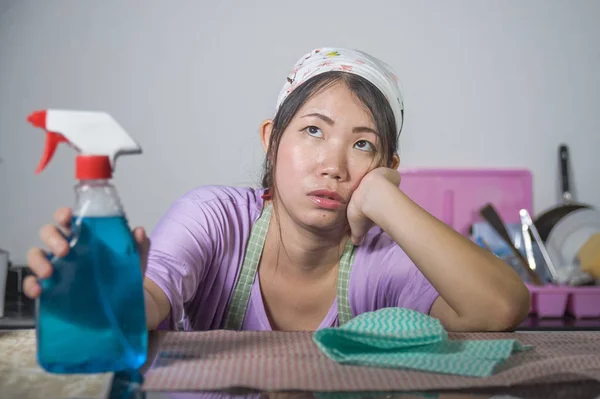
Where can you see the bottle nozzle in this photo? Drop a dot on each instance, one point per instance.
(90, 133)
(52, 141)
(38, 119)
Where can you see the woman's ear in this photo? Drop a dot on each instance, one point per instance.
(266, 128)
(395, 161)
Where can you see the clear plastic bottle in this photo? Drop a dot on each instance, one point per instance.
(91, 315)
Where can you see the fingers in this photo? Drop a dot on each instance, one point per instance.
(358, 231)
(358, 225)
(357, 239)
(55, 240)
(143, 243)
(40, 266)
(38, 263)
(31, 288)
(63, 217)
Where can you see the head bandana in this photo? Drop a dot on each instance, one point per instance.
(327, 59)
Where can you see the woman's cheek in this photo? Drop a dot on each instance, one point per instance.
(358, 169)
(304, 158)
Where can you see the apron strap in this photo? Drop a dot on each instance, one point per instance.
(236, 312)
(241, 294)
(343, 285)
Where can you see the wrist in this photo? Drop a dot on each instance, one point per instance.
(382, 196)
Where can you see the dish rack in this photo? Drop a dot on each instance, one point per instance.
(552, 301)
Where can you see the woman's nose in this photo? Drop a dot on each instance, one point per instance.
(334, 165)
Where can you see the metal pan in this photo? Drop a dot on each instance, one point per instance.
(548, 219)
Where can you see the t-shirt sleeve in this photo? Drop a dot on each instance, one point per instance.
(385, 276)
(181, 249)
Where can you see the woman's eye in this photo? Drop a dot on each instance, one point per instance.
(314, 131)
(365, 145)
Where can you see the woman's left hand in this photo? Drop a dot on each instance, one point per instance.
(368, 190)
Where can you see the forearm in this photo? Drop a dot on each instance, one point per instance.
(476, 284)
(156, 303)
(152, 313)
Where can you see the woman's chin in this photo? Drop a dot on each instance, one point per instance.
(325, 221)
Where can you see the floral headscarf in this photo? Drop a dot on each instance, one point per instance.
(327, 59)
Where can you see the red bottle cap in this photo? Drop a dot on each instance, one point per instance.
(91, 167)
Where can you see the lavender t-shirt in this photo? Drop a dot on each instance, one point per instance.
(197, 250)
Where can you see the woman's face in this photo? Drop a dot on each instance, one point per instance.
(328, 147)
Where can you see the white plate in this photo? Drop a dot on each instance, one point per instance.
(570, 234)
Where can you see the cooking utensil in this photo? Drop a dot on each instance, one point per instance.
(548, 219)
(526, 220)
(490, 214)
(527, 241)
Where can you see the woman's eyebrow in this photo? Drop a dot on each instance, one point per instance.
(325, 118)
(331, 122)
(363, 129)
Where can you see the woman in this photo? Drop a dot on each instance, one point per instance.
(329, 235)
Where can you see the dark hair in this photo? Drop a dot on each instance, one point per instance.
(364, 90)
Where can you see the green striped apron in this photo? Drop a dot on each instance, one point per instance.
(241, 295)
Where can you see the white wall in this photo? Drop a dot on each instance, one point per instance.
(487, 84)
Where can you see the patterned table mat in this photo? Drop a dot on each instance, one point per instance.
(214, 360)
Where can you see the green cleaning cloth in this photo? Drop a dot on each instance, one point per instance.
(404, 338)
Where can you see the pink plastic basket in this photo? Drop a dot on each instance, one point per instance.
(455, 196)
(584, 302)
(548, 300)
(555, 301)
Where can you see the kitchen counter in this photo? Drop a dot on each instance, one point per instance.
(21, 377)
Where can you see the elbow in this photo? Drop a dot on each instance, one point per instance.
(511, 310)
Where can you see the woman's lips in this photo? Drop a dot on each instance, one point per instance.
(327, 199)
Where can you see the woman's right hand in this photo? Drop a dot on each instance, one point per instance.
(54, 239)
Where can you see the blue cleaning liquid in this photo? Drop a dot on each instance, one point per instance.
(91, 316)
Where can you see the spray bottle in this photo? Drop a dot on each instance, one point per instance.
(90, 316)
